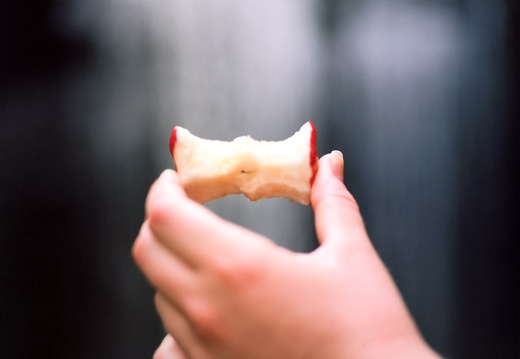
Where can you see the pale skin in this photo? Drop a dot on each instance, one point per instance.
(224, 291)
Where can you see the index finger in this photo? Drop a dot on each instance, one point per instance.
(190, 230)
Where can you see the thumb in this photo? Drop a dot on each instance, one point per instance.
(338, 222)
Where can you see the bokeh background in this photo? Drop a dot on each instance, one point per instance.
(422, 97)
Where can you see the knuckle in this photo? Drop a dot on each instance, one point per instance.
(205, 321)
(237, 270)
(343, 197)
(139, 248)
(340, 200)
(158, 210)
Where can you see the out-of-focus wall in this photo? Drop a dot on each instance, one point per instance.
(393, 109)
(420, 96)
(234, 68)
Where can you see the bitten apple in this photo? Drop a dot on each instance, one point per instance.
(211, 169)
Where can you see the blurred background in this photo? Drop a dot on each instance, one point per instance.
(422, 97)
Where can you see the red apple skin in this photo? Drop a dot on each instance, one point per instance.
(313, 154)
(173, 140)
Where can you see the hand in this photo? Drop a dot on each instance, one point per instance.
(169, 350)
(226, 292)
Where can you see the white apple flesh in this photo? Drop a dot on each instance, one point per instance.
(211, 169)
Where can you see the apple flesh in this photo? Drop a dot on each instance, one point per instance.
(211, 169)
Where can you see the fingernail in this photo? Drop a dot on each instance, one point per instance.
(336, 161)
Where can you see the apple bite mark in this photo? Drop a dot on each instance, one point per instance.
(211, 169)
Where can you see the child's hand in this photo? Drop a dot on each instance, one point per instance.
(226, 292)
